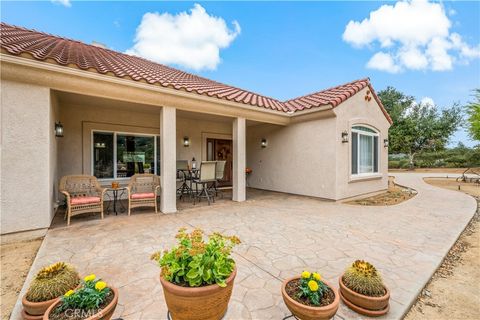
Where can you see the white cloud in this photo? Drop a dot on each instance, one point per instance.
(417, 35)
(427, 101)
(384, 62)
(65, 3)
(191, 40)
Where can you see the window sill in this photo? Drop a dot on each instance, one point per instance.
(365, 177)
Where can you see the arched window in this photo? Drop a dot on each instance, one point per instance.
(364, 150)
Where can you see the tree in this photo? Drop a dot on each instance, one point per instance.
(473, 116)
(417, 127)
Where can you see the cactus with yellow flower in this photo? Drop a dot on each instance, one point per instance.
(52, 282)
(311, 287)
(362, 277)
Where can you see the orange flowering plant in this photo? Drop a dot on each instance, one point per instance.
(311, 287)
(195, 262)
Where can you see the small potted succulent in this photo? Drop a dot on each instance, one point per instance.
(92, 300)
(363, 291)
(49, 284)
(197, 275)
(309, 297)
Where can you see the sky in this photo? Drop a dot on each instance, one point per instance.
(430, 50)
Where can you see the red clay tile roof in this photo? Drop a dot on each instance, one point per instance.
(42, 46)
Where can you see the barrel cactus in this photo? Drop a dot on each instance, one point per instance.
(363, 278)
(52, 282)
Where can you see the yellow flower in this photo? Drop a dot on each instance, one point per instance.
(317, 276)
(100, 285)
(305, 274)
(313, 285)
(89, 278)
(69, 293)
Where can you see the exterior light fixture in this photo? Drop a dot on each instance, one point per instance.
(186, 142)
(344, 136)
(58, 129)
(385, 143)
(100, 145)
(263, 143)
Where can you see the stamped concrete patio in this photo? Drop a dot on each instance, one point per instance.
(282, 235)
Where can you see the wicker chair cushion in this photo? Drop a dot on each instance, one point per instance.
(143, 195)
(84, 200)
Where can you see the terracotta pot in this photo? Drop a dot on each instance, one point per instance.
(105, 314)
(304, 312)
(366, 305)
(27, 316)
(199, 303)
(36, 308)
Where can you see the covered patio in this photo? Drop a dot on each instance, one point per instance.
(113, 140)
(281, 236)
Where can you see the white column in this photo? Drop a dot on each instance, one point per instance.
(168, 155)
(239, 160)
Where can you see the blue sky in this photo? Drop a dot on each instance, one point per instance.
(287, 49)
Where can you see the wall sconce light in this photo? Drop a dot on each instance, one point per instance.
(345, 136)
(100, 145)
(58, 129)
(186, 142)
(385, 143)
(263, 143)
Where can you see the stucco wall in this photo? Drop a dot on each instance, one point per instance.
(309, 158)
(299, 158)
(357, 111)
(79, 121)
(27, 123)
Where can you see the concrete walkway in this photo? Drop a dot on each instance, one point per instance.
(282, 235)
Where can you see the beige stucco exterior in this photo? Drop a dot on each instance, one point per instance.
(304, 154)
(28, 164)
(309, 158)
(358, 111)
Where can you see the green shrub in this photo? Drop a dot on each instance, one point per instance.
(195, 262)
(52, 282)
(363, 278)
(404, 164)
(394, 164)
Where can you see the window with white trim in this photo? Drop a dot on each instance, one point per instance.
(364, 150)
(121, 155)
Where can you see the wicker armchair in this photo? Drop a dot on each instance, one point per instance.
(143, 190)
(82, 194)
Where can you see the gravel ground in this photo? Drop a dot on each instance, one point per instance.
(17, 258)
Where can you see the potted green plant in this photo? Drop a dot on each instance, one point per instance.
(92, 300)
(309, 297)
(50, 283)
(362, 290)
(197, 275)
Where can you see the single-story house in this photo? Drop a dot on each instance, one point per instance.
(331, 144)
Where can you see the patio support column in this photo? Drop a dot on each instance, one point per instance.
(239, 160)
(168, 155)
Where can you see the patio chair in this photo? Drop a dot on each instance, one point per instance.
(143, 190)
(206, 178)
(82, 194)
(219, 173)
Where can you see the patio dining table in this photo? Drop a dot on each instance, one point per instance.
(188, 175)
